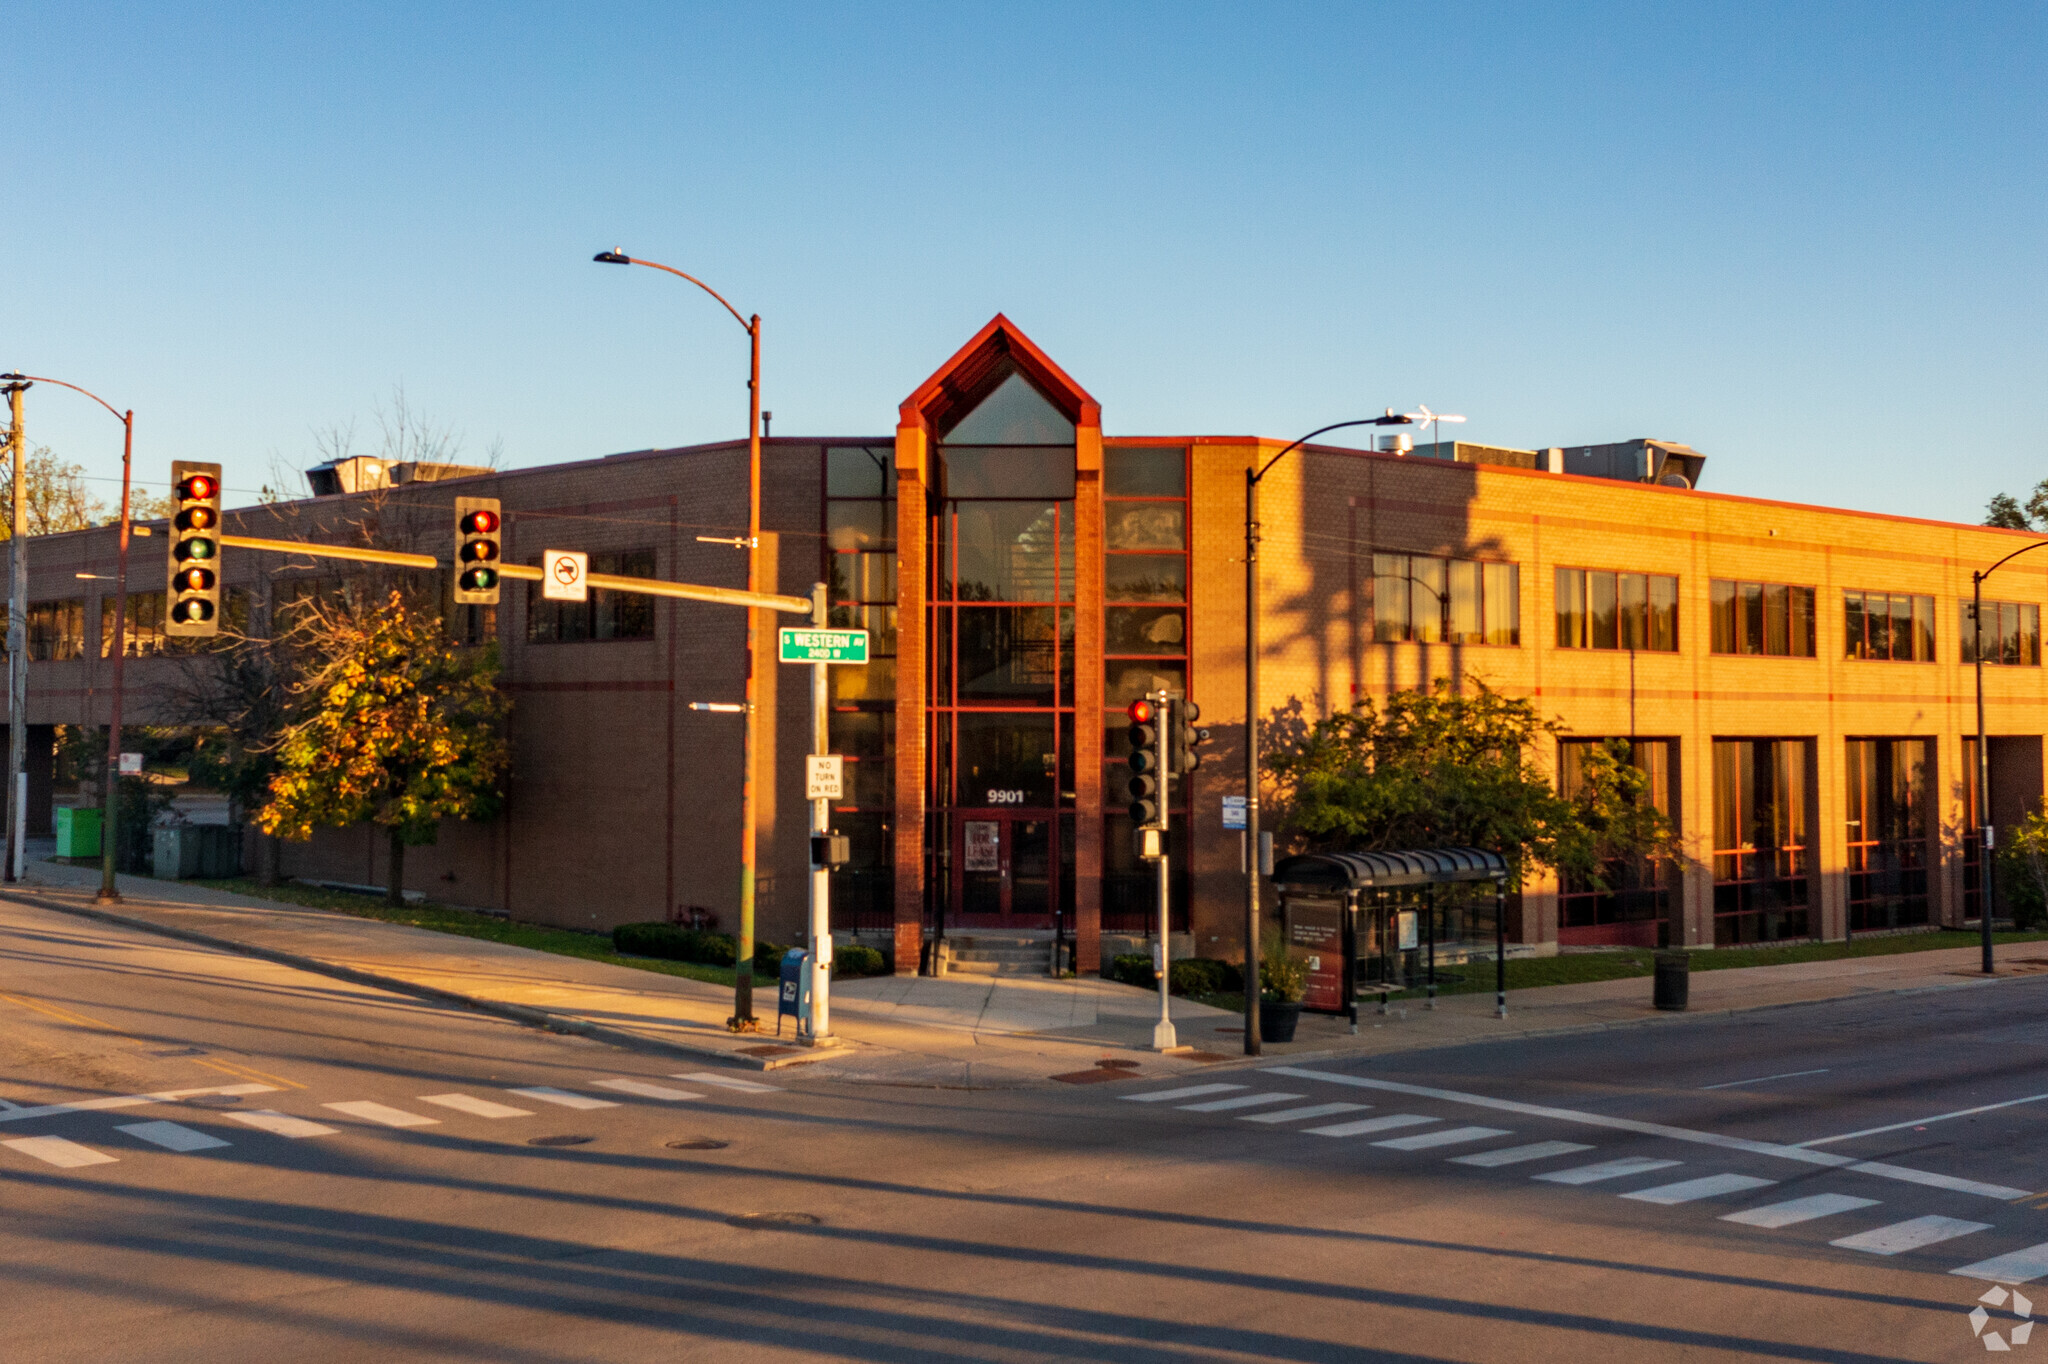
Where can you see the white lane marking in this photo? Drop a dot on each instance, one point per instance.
(1240, 1101)
(712, 1077)
(1706, 1186)
(170, 1136)
(280, 1124)
(1606, 1169)
(1364, 1125)
(1771, 1216)
(1900, 1237)
(129, 1101)
(1449, 1136)
(475, 1107)
(382, 1113)
(1185, 1092)
(645, 1090)
(1765, 1079)
(548, 1094)
(1922, 1122)
(2020, 1266)
(1515, 1155)
(66, 1155)
(1656, 1129)
(1300, 1114)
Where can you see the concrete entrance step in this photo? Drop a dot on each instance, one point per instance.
(1004, 954)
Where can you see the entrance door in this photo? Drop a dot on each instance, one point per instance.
(1002, 869)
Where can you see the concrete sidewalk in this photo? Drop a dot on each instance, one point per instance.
(974, 1032)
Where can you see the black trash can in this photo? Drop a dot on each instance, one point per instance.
(1674, 980)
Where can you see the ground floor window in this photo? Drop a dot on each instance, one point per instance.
(1888, 807)
(1762, 849)
(1634, 907)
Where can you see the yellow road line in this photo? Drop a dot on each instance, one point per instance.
(61, 1014)
(250, 1073)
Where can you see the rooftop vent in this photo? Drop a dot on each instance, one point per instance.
(1664, 463)
(361, 473)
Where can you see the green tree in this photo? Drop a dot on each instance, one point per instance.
(59, 500)
(1443, 768)
(400, 726)
(2007, 512)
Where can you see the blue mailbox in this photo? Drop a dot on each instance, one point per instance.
(794, 1000)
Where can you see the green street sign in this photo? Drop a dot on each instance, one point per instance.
(823, 646)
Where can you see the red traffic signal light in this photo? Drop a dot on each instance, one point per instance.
(1140, 711)
(198, 488)
(482, 521)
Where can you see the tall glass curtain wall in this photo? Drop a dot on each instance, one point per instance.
(1145, 647)
(1762, 848)
(1002, 683)
(1889, 825)
(860, 578)
(1633, 910)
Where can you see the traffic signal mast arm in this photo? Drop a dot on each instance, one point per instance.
(651, 586)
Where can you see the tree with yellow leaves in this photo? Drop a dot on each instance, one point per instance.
(400, 726)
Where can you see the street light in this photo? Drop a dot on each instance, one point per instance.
(742, 1019)
(1251, 711)
(108, 894)
(1983, 747)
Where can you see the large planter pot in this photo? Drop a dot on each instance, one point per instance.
(1277, 1019)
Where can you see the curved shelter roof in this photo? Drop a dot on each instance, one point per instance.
(1340, 871)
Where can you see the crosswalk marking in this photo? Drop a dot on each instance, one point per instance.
(170, 1136)
(1301, 1114)
(1364, 1125)
(475, 1107)
(19, 1114)
(1900, 1237)
(2020, 1266)
(548, 1094)
(66, 1155)
(712, 1077)
(1774, 1215)
(1706, 1186)
(646, 1090)
(1449, 1136)
(1185, 1092)
(280, 1124)
(382, 1113)
(1515, 1155)
(1239, 1101)
(1606, 1169)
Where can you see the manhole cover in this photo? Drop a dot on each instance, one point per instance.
(761, 1221)
(214, 1100)
(558, 1141)
(699, 1144)
(1108, 1064)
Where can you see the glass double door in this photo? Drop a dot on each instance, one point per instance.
(1003, 863)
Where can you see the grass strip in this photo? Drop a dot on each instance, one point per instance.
(440, 918)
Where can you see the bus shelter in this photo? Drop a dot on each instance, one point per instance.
(1376, 922)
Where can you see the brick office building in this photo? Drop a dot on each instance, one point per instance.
(1794, 678)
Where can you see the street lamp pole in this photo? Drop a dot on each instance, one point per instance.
(1983, 746)
(17, 638)
(1252, 475)
(118, 647)
(742, 1019)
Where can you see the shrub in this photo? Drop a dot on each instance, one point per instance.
(856, 960)
(1133, 968)
(768, 957)
(673, 943)
(1282, 975)
(1203, 976)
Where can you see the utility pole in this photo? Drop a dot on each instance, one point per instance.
(17, 643)
(820, 965)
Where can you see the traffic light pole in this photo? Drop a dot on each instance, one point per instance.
(1163, 1036)
(111, 820)
(820, 964)
(17, 647)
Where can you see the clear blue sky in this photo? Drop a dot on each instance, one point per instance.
(1807, 239)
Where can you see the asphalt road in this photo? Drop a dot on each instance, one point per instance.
(385, 1179)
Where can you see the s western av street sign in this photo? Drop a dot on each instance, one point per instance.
(817, 645)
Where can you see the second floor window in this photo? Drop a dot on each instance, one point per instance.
(2012, 633)
(1888, 625)
(607, 615)
(1427, 600)
(1763, 618)
(56, 630)
(1597, 609)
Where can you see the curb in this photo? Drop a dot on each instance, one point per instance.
(517, 1013)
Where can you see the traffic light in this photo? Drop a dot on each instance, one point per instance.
(195, 550)
(1145, 787)
(478, 551)
(1181, 755)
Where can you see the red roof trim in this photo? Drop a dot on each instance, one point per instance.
(977, 367)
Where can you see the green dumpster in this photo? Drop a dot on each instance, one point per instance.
(78, 832)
